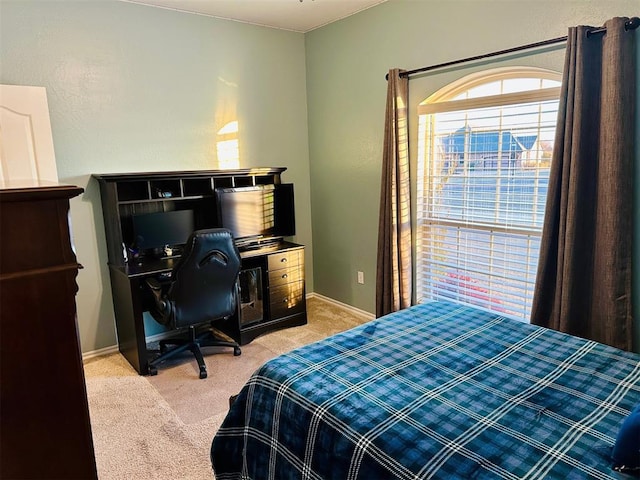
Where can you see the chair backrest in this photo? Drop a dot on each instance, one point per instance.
(204, 282)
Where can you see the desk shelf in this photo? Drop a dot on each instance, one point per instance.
(136, 187)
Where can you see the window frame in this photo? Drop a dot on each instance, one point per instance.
(445, 100)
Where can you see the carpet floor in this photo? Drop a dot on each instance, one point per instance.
(162, 426)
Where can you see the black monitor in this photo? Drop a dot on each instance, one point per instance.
(155, 230)
(263, 211)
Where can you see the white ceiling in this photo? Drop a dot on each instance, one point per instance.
(295, 15)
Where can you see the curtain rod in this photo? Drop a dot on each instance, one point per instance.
(630, 24)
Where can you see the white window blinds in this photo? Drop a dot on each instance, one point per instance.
(483, 177)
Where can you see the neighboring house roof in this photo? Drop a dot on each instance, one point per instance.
(486, 142)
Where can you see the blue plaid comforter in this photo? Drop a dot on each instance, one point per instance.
(438, 390)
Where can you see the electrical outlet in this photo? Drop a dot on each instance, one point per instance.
(361, 278)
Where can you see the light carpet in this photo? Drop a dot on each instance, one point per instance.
(162, 426)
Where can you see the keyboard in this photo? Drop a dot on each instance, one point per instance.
(163, 276)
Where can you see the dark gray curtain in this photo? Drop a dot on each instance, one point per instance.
(394, 272)
(584, 275)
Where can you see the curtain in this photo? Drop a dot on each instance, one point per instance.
(583, 284)
(394, 265)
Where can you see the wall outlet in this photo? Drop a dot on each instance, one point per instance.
(361, 278)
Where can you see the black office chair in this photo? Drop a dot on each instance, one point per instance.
(203, 288)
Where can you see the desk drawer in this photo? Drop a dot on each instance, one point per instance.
(287, 299)
(286, 259)
(285, 275)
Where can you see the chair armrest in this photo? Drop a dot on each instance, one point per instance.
(162, 306)
(156, 289)
(153, 284)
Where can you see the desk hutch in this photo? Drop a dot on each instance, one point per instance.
(272, 287)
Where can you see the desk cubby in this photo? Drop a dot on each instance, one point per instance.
(196, 187)
(133, 191)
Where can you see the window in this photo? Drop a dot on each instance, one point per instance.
(484, 153)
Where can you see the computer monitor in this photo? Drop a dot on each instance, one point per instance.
(257, 212)
(155, 230)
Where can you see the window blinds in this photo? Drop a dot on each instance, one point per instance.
(484, 175)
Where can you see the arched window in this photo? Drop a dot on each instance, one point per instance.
(484, 153)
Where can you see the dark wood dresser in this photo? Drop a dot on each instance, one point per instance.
(45, 430)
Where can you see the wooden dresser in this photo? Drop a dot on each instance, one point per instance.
(45, 430)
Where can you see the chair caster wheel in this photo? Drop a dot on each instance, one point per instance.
(203, 374)
(236, 351)
(153, 371)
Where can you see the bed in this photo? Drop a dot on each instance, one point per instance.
(438, 390)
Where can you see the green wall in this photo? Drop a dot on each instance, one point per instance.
(136, 88)
(346, 93)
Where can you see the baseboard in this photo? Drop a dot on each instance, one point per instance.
(152, 338)
(100, 352)
(114, 348)
(352, 309)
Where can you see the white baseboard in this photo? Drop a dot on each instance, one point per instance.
(114, 348)
(352, 309)
(100, 352)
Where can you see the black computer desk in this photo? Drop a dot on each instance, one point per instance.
(278, 269)
(273, 277)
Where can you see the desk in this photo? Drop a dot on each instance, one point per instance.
(278, 289)
(271, 280)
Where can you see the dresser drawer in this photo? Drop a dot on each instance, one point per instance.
(286, 259)
(287, 299)
(286, 275)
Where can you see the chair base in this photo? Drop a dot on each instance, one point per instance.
(209, 338)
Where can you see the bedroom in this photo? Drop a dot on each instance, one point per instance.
(133, 88)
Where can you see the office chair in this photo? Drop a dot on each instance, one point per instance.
(203, 288)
